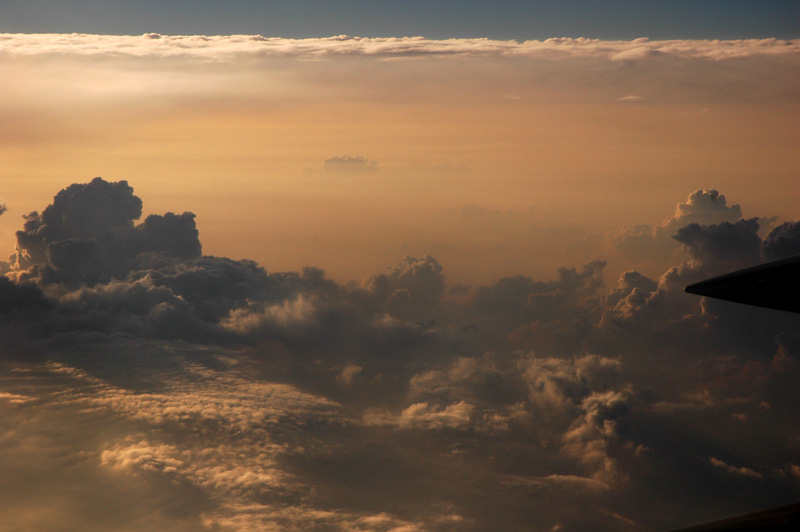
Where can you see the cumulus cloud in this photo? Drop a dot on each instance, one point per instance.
(782, 242)
(703, 207)
(736, 245)
(516, 301)
(650, 247)
(411, 289)
(87, 235)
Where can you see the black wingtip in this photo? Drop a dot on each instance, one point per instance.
(774, 285)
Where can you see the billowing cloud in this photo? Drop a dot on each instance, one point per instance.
(736, 245)
(703, 207)
(782, 242)
(652, 246)
(412, 288)
(87, 235)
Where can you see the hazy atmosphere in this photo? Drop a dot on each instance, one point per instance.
(291, 279)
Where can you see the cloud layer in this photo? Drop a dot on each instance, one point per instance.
(214, 395)
(222, 46)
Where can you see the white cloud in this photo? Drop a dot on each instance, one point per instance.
(631, 98)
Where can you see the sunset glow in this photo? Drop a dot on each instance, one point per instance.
(397, 283)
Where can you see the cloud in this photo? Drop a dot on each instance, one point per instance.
(651, 247)
(571, 482)
(782, 242)
(172, 234)
(422, 415)
(522, 298)
(703, 207)
(741, 471)
(636, 53)
(77, 216)
(14, 398)
(87, 235)
(212, 394)
(411, 288)
(227, 436)
(222, 47)
(20, 297)
(346, 163)
(631, 98)
(296, 311)
(737, 245)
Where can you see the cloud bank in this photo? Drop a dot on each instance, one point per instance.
(147, 386)
(226, 46)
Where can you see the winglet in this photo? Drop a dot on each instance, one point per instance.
(774, 285)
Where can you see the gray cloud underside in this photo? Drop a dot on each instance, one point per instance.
(225, 47)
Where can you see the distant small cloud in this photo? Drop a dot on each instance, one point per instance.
(631, 98)
(350, 164)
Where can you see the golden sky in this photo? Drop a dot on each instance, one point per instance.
(542, 139)
(577, 185)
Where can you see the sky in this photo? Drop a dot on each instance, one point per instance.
(373, 266)
(502, 19)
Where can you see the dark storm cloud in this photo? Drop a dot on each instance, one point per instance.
(215, 395)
